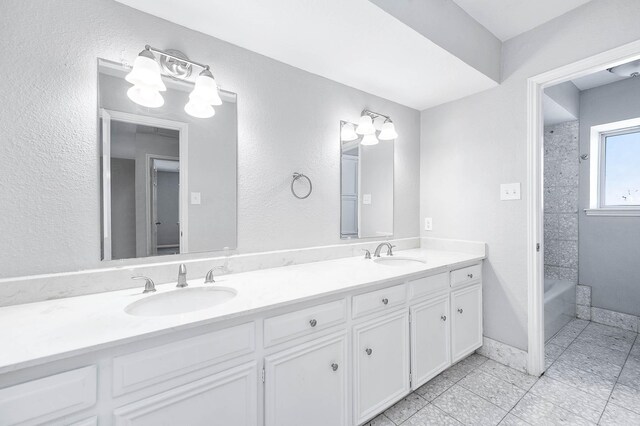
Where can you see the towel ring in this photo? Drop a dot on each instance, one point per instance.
(297, 176)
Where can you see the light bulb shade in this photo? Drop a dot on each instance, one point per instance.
(206, 89)
(369, 139)
(365, 126)
(388, 132)
(199, 109)
(145, 96)
(348, 133)
(146, 72)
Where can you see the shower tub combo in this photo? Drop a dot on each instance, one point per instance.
(559, 305)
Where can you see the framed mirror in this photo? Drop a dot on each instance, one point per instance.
(168, 178)
(366, 185)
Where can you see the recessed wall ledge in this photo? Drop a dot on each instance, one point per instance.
(612, 212)
(37, 288)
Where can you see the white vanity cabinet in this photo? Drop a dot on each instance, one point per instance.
(307, 384)
(381, 363)
(466, 321)
(430, 339)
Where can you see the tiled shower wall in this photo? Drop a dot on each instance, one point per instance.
(561, 163)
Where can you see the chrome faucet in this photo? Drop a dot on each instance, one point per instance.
(182, 276)
(149, 286)
(209, 277)
(389, 249)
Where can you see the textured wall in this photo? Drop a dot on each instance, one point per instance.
(561, 166)
(470, 146)
(609, 246)
(288, 120)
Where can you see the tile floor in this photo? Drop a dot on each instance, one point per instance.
(592, 377)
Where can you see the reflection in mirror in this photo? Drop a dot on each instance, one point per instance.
(168, 178)
(366, 193)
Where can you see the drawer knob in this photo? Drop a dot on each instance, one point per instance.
(334, 366)
(313, 323)
(369, 351)
(460, 310)
(443, 317)
(385, 301)
(470, 275)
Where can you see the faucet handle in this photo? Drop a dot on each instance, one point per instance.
(149, 285)
(390, 250)
(209, 277)
(367, 254)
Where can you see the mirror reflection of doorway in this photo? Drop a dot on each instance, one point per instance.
(165, 206)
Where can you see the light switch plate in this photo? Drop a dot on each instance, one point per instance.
(428, 224)
(195, 198)
(510, 191)
(366, 198)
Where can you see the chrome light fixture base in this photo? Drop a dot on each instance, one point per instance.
(172, 64)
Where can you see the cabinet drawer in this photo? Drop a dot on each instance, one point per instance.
(427, 285)
(466, 275)
(379, 300)
(151, 366)
(42, 400)
(303, 322)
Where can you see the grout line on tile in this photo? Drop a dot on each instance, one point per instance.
(617, 378)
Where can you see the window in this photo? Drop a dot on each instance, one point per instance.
(615, 169)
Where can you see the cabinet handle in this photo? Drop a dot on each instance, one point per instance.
(443, 317)
(385, 301)
(470, 275)
(313, 323)
(369, 351)
(460, 310)
(334, 366)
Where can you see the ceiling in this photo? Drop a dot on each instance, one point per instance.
(596, 79)
(353, 42)
(509, 18)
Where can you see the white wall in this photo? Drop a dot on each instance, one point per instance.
(288, 121)
(470, 146)
(609, 246)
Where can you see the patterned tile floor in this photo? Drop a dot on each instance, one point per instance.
(592, 377)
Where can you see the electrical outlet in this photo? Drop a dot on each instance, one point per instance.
(428, 224)
(195, 198)
(510, 191)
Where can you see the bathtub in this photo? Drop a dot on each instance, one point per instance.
(559, 305)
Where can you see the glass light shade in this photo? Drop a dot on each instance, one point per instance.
(198, 109)
(369, 139)
(365, 126)
(388, 132)
(206, 90)
(146, 72)
(348, 133)
(145, 96)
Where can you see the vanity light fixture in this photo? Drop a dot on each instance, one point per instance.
(348, 133)
(366, 126)
(388, 131)
(369, 139)
(147, 81)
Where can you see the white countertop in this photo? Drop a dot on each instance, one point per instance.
(40, 332)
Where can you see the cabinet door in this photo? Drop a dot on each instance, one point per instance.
(381, 362)
(430, 339)
(307, 385)
(466, 324)
(226, 398)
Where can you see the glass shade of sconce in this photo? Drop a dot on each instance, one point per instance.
(369, 139)
(203, 97)
(198, 109)
(365, 126)
(348, 133)
(388, 132)
(147, 81)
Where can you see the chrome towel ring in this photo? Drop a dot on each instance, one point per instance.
(297, 176)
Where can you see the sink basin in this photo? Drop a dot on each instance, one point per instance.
(180, 301)
(398, 261)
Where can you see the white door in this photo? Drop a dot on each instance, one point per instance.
(307, 385)
(223, 399)
(466, 321)
(349, 196)
(430, 344)
(381, 362)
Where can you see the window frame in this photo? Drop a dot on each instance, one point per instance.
(597, 171)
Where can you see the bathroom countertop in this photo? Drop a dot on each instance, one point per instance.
(40, 332)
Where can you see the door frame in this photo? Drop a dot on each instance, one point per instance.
(535, 168)
(106, 117)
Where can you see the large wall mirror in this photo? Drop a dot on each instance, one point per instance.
(366, 195)
(168, 178)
